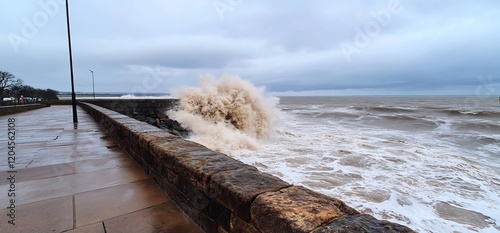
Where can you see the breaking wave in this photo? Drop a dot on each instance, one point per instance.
(226, 114)
(472, 113)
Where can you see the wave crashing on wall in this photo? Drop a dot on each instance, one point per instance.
(227, 114)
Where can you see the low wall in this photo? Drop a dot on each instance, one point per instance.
(7, 110)
(222, 194)
(137, 107)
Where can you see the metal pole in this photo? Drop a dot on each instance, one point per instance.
(93, 86)
(73, 96)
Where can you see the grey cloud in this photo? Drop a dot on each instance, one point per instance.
(284, 45)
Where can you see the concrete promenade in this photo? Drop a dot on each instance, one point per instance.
(74, 178)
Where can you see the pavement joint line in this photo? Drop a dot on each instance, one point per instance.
(111, 186)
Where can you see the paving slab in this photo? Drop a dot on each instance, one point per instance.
(155, 219)
(92, 228)
(102, 204)
(54, 215)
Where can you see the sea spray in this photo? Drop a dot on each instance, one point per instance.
(226, 114)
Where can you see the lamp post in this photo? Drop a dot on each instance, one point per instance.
(93, 87)
(73, 96)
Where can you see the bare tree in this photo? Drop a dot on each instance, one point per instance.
(7, 80)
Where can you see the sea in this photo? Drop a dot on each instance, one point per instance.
(429, 162)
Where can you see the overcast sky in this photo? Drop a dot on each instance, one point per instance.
(321, 47)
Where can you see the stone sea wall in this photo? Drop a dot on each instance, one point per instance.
(6, 110)
(137, 107)
(222, 194)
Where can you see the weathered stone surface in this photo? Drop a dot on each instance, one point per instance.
(173, 146)
(296, 209)
(362, 223)
(192, 161)
(137, 127)
(192, 195)
(236, 189)
(161, 180)
(221, 230)
(118, 134)
(219, 214)
(144, 160)
(241, 226)
(192, 200)
(199, 216)
(96, 108)
(146, 138)
(198, 166)
(133, 129)
(107, 123)
(167, 148)
(158, 150)
(144, 165)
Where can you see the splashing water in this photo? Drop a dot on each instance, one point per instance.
(226, 114)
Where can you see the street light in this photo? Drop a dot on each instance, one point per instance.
(73, 96)
(93, 87)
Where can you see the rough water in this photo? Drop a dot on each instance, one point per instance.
(431, 163)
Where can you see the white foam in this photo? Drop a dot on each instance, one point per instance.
(227, 114)
(131, 96)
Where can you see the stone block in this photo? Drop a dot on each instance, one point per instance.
(192, 160)
(206, 223)
(146, 138)
(145, 160)
(221, 230)
(236, 189)
(133, 129)
(144, 165)
(160, 179)
(241, 226)
(199, 216)
(296, 209)
(362, 223)
(192, 196)
(120, 136)
(104, 122)
(161, 148)
(219, 214)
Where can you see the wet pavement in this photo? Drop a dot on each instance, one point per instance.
(75, 178)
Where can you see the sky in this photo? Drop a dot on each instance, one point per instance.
(321, 47)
